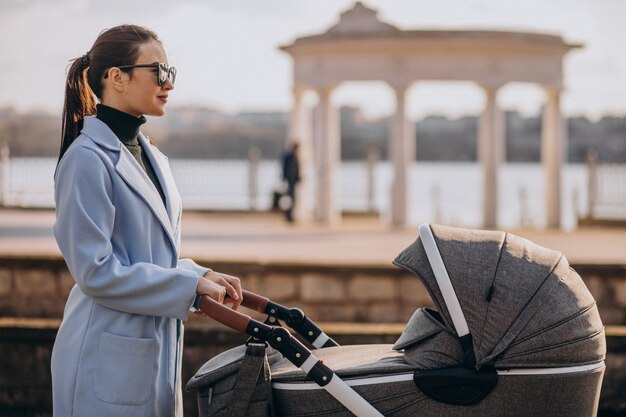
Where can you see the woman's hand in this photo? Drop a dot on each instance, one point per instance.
(212, 289)
(231, 284)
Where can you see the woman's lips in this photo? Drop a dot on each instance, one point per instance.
(163, 98)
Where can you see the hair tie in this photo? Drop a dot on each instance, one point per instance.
(85, 60)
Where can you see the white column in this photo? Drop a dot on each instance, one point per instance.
(327, 157)
(254, 157)
(402, 156)
(4, 173)
(300, 132)
(490, 154)
(552, 154)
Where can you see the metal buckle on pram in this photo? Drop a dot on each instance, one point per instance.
(255, 341)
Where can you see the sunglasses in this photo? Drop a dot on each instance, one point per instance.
(163, 74)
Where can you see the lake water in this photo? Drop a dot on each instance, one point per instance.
(440, 192)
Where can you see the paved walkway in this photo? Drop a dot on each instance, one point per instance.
(266, 238)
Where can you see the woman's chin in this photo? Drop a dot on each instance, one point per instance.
(156, 112)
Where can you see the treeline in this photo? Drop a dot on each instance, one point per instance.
(210, 134)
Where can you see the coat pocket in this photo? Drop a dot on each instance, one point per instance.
(125, 370)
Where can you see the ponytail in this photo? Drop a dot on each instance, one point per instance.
(80, 101)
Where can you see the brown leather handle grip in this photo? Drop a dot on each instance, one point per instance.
(254, 301)
(224, 314)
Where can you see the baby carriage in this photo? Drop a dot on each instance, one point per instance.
(516, 333)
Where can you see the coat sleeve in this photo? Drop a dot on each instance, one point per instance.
(190, 265)
(83, 230)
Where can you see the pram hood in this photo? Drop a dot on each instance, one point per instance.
(523, 304)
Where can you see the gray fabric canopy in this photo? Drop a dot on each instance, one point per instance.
(524, 305)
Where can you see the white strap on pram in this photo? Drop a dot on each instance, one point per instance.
(408, 376)
(443, 279)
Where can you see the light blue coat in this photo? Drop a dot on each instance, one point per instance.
(118, 350)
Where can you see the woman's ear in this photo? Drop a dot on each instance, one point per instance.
(117, 79)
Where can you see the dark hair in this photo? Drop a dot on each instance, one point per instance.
(113, 47)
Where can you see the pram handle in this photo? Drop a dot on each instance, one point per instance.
(254, 301)
(293, 317)
(223, 314)
(246, 324)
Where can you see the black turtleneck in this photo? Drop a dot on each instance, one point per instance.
(126, 128)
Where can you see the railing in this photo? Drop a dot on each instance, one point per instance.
(607, 190)
(440, 192)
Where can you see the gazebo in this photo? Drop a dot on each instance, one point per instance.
(360, 47)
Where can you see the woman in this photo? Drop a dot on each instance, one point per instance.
(118, 350)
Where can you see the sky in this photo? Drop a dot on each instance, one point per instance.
(227, 56)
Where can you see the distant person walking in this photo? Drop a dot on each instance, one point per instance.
(118, 349)
(291, 176)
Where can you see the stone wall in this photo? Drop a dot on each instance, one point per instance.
(39, 288)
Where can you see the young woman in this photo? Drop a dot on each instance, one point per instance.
(118, 350)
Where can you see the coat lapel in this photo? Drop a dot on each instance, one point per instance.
(160, 164)
(132, 174)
